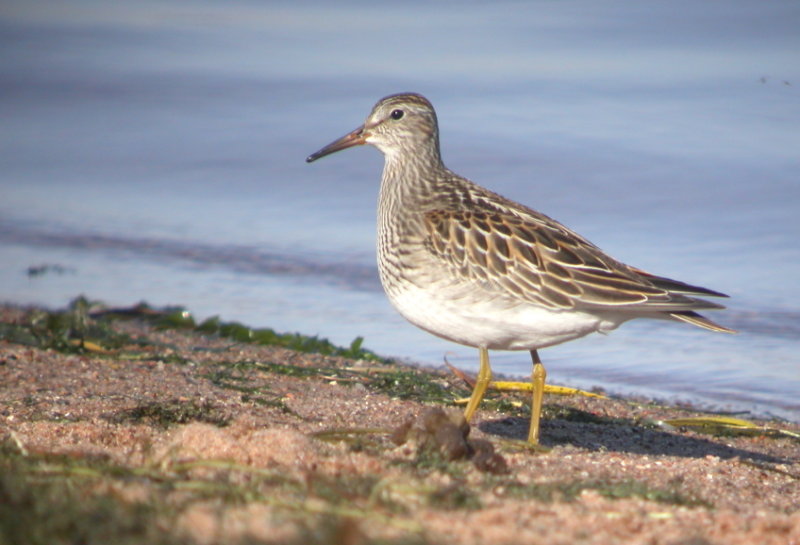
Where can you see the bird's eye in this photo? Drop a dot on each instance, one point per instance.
(397, 114)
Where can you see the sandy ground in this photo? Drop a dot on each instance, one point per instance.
(314, 457)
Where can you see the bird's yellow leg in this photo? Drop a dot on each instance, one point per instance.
(481, 383)
(538, 376)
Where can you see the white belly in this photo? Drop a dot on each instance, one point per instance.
(473, 321)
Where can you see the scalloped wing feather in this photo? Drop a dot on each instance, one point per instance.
(541, 261)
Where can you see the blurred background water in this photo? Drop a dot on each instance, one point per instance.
(155, 150)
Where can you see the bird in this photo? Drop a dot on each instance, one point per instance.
(473, 267)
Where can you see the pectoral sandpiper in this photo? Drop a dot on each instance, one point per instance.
(473, 267)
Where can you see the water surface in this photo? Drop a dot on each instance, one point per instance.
(156, 151)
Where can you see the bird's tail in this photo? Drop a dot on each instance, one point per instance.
(691, 317)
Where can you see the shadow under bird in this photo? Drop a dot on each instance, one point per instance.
(473, 267)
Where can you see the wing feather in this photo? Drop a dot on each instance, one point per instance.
(537, 259)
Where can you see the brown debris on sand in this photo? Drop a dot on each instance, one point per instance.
(445, 433)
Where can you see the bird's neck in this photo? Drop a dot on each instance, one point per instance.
(408, 175)
(407, 192)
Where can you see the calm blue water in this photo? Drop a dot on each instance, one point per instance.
(156, 150)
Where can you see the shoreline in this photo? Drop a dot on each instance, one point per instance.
(192, 436)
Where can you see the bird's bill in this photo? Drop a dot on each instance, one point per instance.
(355, 138)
